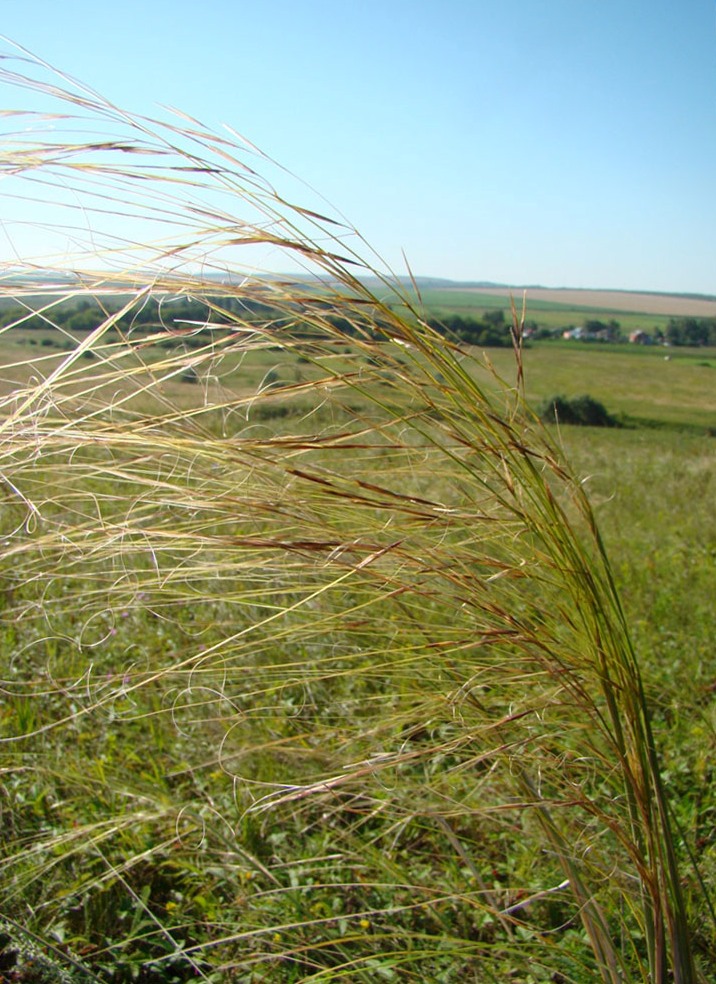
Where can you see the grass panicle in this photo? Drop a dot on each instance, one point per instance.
(315, 664)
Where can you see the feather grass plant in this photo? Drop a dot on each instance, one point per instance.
(342, 597)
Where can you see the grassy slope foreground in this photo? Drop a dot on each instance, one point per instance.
(324, 676)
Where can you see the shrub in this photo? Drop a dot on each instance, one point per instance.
(581, 410)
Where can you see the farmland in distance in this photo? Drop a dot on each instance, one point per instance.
(562, 308)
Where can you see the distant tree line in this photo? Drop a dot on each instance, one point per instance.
(491, 331)
(186, 314)
(155, 314)
(691, 331)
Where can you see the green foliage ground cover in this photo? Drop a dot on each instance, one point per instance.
(653, 493)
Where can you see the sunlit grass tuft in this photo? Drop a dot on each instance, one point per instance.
(343, 644)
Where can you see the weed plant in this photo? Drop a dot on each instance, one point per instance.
(317, 678)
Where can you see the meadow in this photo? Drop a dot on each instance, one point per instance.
(323, 658)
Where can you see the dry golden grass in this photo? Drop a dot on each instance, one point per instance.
(414, 642)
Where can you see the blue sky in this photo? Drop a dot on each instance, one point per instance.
(556, 142)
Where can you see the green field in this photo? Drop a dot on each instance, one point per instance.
(651, 386)
(646, 386)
